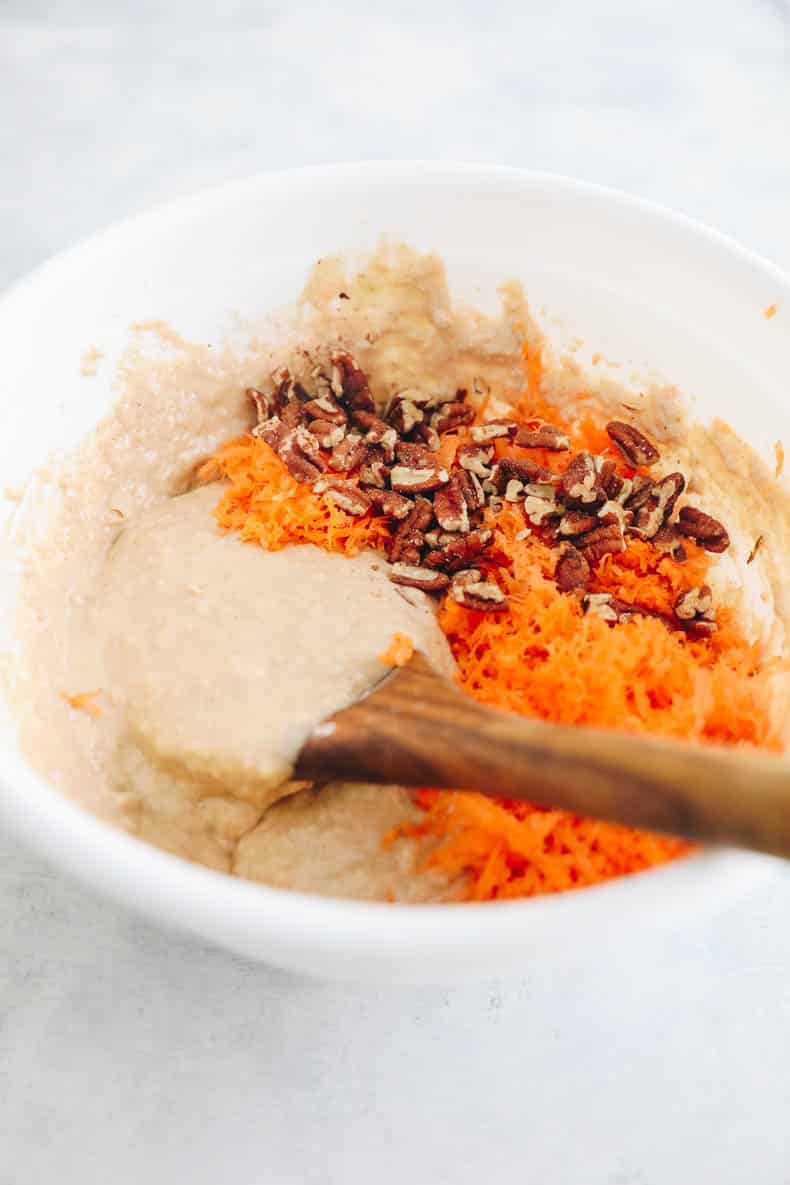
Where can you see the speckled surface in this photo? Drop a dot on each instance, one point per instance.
(131, 1057)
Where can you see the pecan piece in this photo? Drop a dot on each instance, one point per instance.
(601, 605)
(667, 540)
(659, 505)
(349, 454)
(349, 383)
(377, 431)
(481, 595)
(407, 541)
(572, 570)
(610, 481)
(346, 494)
(493, 430)
(326, 433)
(449, 506)
(632, 443)
(374, 470)
(521, 469)
(514, 490)
(416, 456)
(694, 609)
(475, 458)
(470, 487)
(580, 481)
(638, 489)
(704, 529)
(576, 522)
(541, 504)
(265, 403)
(300, 452)
(462, 552)
(391, 504)
(428, 435)
(450, 416)
(404, 415)
(326, 407)
(544, 436)
(413, 576)
(275, 430)
(602, 541)
(406, 480)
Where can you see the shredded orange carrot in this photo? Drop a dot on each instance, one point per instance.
(85, 701)
(544, 657)
(269, 507)
(399, 651)
(770, 312)
(779, 449)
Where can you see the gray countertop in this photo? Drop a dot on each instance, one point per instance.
(129, 1057)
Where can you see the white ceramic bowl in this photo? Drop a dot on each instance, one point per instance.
(635, 281)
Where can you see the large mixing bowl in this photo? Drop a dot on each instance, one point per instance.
(636, 282)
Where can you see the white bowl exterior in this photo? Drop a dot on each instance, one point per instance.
(635, 282)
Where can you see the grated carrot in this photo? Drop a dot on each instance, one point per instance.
(269, 507)
(779, 450)
(399, 651)
(85, 701)
(544, 658)
(770, 312)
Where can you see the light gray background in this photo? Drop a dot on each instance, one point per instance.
(131, 1058)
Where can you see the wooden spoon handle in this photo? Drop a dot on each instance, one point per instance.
(418, 730)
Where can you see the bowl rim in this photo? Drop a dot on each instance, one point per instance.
(157, 883)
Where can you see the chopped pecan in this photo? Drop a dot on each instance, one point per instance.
(349, 454)
(404, 415)
(493, 430)
(406, 480)
(326, 407)
(600, 605)
(377, 431)
(476, 458)
(349, 383)
(275, 430)
(632, 443)
(449, 506)
(540, 504)
(694, 609)
(704, 529)
(543, 436)
(389, 503)
(481, 595)
(576, 522)
(580, 481)
(519, 468)
(514, 490)
(602, 541)
(659, 505)
(416, 456)
(326, 433)
(374, 470)
(471, 489)
(639, 490)
(428, 435)
(414, 576)
(265, 403)
(408, 539)
(461, 552)
(572, 570)
(450, 416)
(610, 481)
(613, 512)
(667, 540)
(300, 452)
(346, 494)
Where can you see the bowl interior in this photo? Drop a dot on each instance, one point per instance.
(657, 294)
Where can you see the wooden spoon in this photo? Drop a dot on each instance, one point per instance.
(416, 729)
